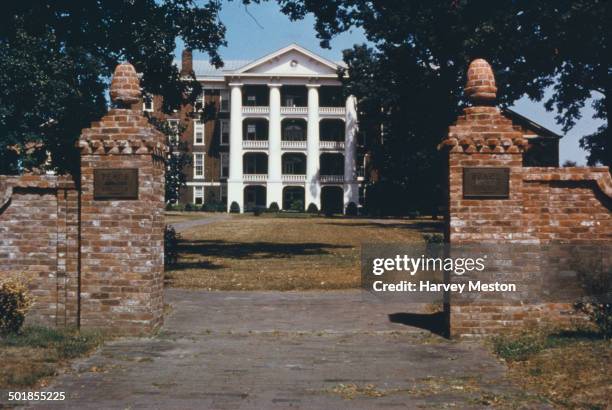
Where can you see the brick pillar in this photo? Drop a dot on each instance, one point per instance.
(122, 219)
(482, 138)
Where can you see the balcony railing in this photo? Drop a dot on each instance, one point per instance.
(255, 144)
(331, 144)
(293, 144)
(332, 179)
(332, 110)
(294, 110)
(294, 178)
(255, 177)
(258, 109)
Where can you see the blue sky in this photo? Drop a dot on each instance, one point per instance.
(272, 30)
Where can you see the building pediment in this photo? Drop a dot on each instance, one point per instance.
(290, 61)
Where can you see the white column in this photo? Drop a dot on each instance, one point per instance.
(235, 183)
(275, 184)
(313, 184)
(351, 188)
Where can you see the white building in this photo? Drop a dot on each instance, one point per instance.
(292, 136)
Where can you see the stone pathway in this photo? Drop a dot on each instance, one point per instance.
(292, 350)
(192, 223)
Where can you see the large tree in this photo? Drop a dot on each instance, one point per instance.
(56, 58)
(409, 79)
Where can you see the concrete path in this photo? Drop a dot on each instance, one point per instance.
(274, 350)
(192, 223)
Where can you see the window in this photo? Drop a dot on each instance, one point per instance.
(198, 165)
(289, 101)
(224, 101)
(198, 132)
(147, 103)
(224, 165)
(251, 100)
(173, 124)
(251, 132)
(223, 190)
(200, 101)
(198, 195)
(224, 131)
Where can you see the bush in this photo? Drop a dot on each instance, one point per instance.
(171, 239)
(175, 207)
(518, 348)
(297, 205)
(351, 209)
(15, 301)
(413, 214)
(190, 207)
(258, 210)
(312, 209)
(596, 280)
(273, 207)
(214, 206)
(433, 237)
(235, 208)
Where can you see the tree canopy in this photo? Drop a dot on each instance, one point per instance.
(409, 78)
(56, 59)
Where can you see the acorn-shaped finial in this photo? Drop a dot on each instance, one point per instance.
(125, 86)
(480, 87)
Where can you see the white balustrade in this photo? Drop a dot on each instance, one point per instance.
(294, 110)
(255, 177)
(337, 179)
(255, 144)
(294, 178)
(262, 109)
(331, 145)
(332, 110)
(293, 144)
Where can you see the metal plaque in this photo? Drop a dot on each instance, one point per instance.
(116, 183)
(486, 182)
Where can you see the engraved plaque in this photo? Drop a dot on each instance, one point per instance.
(486, 182)
(116, 183)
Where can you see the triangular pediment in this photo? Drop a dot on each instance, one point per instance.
(291, 60)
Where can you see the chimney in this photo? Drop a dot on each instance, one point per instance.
(186, 62)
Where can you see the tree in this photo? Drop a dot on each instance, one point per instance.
(56, 58)
(409, 80)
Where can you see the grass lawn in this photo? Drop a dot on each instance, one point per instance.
(570, 369)
(172, 216)
(284, 252)
(39, 352)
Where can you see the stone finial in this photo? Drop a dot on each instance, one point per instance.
(125, 86)
(480, 87)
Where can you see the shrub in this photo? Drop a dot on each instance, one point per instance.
(351, 209)
(175, 207)
(171, 239)
(258, 210)
(297, 205)
(190, 207)
(15, 301)
(235, 208)
(433, 237)
(519, 347)
(273, 207)
(312, 209)
(596, 279)
(213, 206)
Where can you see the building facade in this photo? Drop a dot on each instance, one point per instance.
(281, 133)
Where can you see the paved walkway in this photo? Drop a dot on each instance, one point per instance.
(273, 350)
(192, 223)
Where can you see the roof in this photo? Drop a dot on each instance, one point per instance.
(203, 68)
(528, 124)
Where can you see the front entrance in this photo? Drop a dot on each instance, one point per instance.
(293, 198)
(332, 199)
(254, 197)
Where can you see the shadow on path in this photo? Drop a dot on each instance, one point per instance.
(434, 322)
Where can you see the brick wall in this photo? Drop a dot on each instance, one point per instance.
(545, 206)
(39, 238)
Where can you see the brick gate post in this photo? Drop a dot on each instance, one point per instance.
(122, 215)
